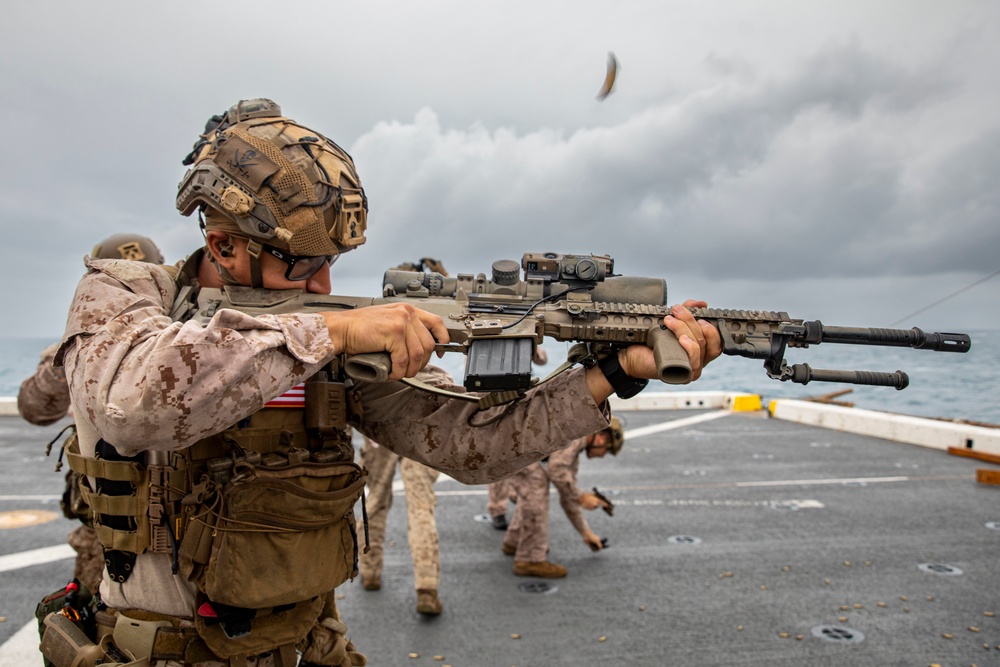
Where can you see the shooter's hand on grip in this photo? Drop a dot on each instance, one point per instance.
(678, 353)
(407, 335)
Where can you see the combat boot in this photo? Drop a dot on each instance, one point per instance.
(499, 521)
(372, 583)
(428, 602)
(545, 569)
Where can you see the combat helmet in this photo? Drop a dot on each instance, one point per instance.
(257, 174)
(617, 434)
(424, 264)
(128, 246)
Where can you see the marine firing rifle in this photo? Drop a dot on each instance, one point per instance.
(498, 321)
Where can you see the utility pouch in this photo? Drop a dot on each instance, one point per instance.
(75, 605)
(64, 644)
(274, 536)
(266, 630)
(326, 404)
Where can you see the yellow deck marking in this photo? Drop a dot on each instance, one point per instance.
(23, 518)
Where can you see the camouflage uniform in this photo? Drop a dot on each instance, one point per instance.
(529, 531)
(146, 383)
(499, 496)
(418, 484)
(44, 397)
(42, 400)
(204, 451)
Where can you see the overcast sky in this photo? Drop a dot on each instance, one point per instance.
(835, 160)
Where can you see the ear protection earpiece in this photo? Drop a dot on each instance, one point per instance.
(226, 248)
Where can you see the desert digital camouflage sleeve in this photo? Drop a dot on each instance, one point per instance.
(44, 397)
(144, 381)
(564, 466)
(432, 429)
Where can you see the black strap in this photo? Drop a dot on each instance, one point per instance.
(625, 385)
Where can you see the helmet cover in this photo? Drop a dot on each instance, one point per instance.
(261, 175)
(128, 246)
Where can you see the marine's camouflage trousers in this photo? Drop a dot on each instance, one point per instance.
(418, 484)
(528, 532)
(499, 497)
(89, 568)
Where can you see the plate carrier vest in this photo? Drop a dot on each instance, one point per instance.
(260, 515)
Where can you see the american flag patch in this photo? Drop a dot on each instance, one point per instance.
(293, 398)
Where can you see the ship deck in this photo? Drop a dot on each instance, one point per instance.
(737, 539)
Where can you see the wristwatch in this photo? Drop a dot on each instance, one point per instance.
(625, 385)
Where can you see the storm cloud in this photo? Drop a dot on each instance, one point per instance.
(835, 162)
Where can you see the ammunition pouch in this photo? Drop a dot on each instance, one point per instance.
(273, 536)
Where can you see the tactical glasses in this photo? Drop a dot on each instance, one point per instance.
(300, 268)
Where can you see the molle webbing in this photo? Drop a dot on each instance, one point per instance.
(154, 488)
(278, 429)
(108, 507)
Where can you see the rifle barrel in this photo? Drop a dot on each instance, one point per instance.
(915, 338)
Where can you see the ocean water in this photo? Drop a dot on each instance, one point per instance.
(942, 384)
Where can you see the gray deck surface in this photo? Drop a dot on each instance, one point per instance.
(770, 557)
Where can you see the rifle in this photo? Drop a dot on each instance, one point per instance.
(497, 322)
